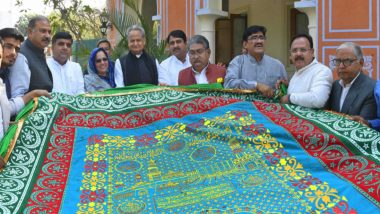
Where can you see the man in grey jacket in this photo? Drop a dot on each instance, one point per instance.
(34, 64)
(353, 93)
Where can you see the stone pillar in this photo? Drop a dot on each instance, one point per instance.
(206, 26)
(205, 22)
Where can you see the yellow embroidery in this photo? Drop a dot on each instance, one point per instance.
(323, 196)
(145, 173)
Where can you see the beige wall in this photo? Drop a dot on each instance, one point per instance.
(274, 15)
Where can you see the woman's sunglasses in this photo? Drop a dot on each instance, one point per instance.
(100, 60)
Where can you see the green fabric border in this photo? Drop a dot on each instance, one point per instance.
(338, 134)
(132, 88)
(5, 142)
(144, 87)
(11, 132)
(44, 143)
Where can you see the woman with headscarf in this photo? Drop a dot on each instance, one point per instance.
(101, 74)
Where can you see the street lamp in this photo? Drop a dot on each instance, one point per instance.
(104, 21)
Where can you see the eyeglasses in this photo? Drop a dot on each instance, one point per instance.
(346, 62)
(256, 38)
(302, 50)
(198, 52)
(102, 59)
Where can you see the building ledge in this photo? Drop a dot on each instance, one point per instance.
(208, 11)
(305, 4)
(156, 18)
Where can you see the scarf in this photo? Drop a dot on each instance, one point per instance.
(94, 82)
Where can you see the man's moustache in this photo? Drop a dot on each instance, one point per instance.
(299, 58)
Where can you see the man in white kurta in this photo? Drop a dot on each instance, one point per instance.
(311, 84)
(5, 111)
(67, 78)
(172, 66)
(179, 58)
(67, 75)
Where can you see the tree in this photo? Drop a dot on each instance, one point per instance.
(72, 15)
(22, 23)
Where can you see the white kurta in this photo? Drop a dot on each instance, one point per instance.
(172, 66)
(67, 78)
(5, 110)
(311, 85)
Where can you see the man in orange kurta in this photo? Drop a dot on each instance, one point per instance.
(201, 71)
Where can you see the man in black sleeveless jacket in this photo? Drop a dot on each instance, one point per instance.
(137, 66)
(39, 35)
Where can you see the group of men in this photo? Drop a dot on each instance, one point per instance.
(311, 85)
(27, 73)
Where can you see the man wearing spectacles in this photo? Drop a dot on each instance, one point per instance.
(311, 83)
(255, 69)
(353, 93)
(201, 71)
(63, 70)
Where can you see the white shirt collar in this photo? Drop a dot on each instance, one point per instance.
(201, 77)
